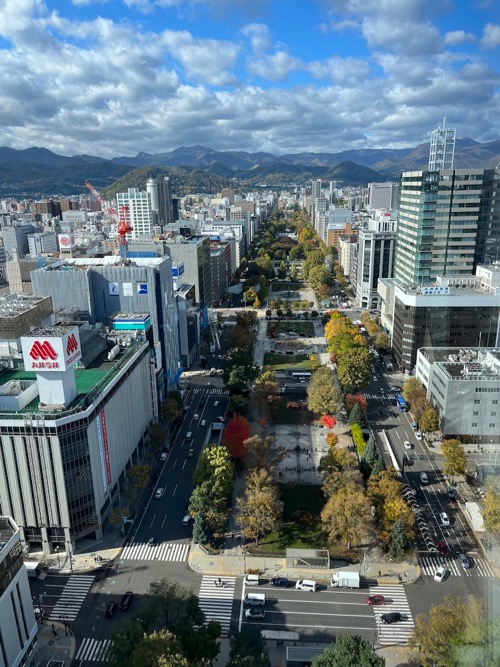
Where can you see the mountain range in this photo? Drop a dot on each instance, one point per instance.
(40, 172)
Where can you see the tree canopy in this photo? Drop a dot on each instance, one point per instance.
(349, 651)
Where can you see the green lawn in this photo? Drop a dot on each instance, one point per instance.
(284, 287)
(280, 362)
(284, 326)
(286, 416)
(301, 527)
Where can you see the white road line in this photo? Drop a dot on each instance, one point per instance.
(216, 602)
(93, 650)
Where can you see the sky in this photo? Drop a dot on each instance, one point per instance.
(118, 77)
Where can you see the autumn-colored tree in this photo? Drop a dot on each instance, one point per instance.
(237, 404)
(429, 421)
(260, 509)
(354, 368)
(336, 479)
(262, 452)
(328, 421)
(412, 388)
(346, 515)
(332, 439)
(156, 438)
(455, 460)
(491, 511)
(351, 399)
(236, 432)
(358, 438)
(382, 342)
(170, 408)
(267, 392)
(337, 460)
(240, 336)
(138, 478)
(318, 276)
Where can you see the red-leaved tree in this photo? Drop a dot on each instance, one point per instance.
(328, 421)
(351, 399)
(236, 432)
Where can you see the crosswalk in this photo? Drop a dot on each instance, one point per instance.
(430, 563)
(95, 650)
(395, 600)
(216, 602)
(211, 390)
(72, 597)
(372, 397)
(166, 551)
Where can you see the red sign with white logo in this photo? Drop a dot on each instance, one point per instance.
(44, 352)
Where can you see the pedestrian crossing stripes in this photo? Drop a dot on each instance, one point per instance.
(395, 600)
(95, 650)
(372, 397)
(211, 390)
(480, 567)
(216, 602)
(72, 597)
(166, 551)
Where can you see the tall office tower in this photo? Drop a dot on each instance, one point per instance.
(382, 195)
(165, 208)
(375, 258)
(442, 149)
(448, 223)
(140, 211)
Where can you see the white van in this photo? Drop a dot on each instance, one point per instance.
(251, 580)
(306, 585)
(255, 599)
(186, 520)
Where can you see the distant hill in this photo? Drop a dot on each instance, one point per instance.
(38, 172)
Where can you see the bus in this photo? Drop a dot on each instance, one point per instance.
(402, 404)
(301, 374)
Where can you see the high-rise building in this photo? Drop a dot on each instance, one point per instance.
(442, 148)
(448, 223)
(375, 258)
(140, 211)
(383, 195)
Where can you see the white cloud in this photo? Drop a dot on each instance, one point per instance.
(259, 35)
(491, 36)
(341, 71)
(458, 37)
(274, 67)
(405, 38)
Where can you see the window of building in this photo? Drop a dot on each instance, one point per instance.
(492, 425)
(477, 401)
(475, 413)
(493, 414)
(474, 424)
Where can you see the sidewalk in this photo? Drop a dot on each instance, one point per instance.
(55, 642)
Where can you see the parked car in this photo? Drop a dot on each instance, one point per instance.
(392, 617)
(423, 478)
(440, 574)
(418, 435)
(255, 612)
(110, 609)
(445, 521)
(280, 582)
(407, 444)
(464, 561)
(375, 600)
(126, 600)
(159, 492)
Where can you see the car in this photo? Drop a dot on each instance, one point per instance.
(126, 600)
(375, 600)
(280, 582)
(464, 561)
(395, 388)
(392, 617)
(445, 521)
(203, 422)
(163, 456)
(110, 609)
(221, 419)
(407, 444)
(216, 404)
(382, 391)
(152, 541)
(419, 493)
(423, 478)
(440, 574)
(202, 402)
(159, 492)
(209, 384)
(196, 417)
(414, 426)
(213, 371)
(255, 612)
(443, 548)
(418, 435)
(190, 453)
(452, 494)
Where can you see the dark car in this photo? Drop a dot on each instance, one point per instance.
(393, 617)
(281, 582)
(126, 600)
(110, 609)
(443, 548)
(375, 599)
(152, 541)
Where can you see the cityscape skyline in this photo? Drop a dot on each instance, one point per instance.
(117, 78)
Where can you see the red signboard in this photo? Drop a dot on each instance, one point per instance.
(42, 351)
(106, 449)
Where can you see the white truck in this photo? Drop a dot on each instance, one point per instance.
(345, 580)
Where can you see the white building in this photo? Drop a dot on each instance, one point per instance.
(383, 195)
(18, 627)
(442, 148)
(464, 387)
(375, 258)
(140, 211)
(42, 243)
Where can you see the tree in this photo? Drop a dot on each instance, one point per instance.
(156, 649)
(491, 511)
(236, 432)
(199, 534)
(346, 515)
(349, 651)
(318, 276)
(455, 460)
(337, 460)
(351, 399)
(170, 408)
(237, 404)
(260, 509)
(358, 438)
(378, 466)
(353, 369)
(429, 421)
(357, 416)
(336, 480)
(293, 272)
(398, 542)
(323, 399)
(138, 479)
(170, 605)
(117, 515)
(125, 640)
(412, 388)
(261, 452)
(156, 438)
(370, 455)
(328, 420)
(248, 649)
(240, 336)
(440, 634)
(382, 342)
(251, 298)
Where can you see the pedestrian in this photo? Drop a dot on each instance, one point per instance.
(379, 573)
(220, 581)
(216, 583)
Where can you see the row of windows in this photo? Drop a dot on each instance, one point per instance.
(491, 425)
(487, 390)
(476, 414)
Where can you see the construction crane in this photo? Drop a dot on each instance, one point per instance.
(123, 219)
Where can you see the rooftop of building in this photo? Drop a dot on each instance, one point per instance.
(452, 286)
(13, 305)
(8, 528)
(85, 263)
(465, 364)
